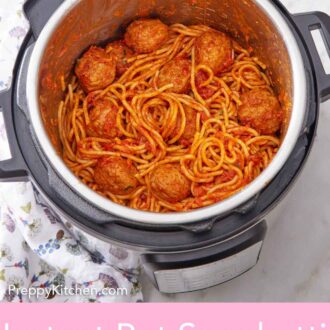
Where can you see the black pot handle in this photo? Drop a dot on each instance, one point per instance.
(13, 169)
(306, 23)
(33, 10)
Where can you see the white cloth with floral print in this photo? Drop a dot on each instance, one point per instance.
(38, 249)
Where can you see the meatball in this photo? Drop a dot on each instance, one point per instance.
(261, 110)
(121, 53)
(176, 72)
(116, 175)
(103, 115)
(188, 134)
(168, 183)
(215, 50)
(96, 69)
(146, 35)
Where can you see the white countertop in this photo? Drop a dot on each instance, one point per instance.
(295, 261)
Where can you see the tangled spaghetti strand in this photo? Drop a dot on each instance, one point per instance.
(223, 157)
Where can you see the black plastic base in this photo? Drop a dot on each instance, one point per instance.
(156, 262)
(156, 238)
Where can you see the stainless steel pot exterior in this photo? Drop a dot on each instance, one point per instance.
(78, 24)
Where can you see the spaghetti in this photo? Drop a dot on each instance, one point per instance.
(222, 156)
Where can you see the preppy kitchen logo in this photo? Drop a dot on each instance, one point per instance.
(60, 290)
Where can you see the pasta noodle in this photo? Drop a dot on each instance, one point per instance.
(223, 157)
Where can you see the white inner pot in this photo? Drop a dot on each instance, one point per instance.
(78, 24)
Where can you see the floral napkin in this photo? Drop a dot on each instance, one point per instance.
(44, 258)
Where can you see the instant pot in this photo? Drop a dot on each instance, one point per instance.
(179, 251)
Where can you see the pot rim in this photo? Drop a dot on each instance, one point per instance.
(220, 208)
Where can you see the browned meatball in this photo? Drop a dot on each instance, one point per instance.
(122, 53)
(260, 110)
(146, 35)
(169, 183)
(190, 129)
(215, 50)
(176, 72)
(102, 117)
(116, 175)
(95, 69)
